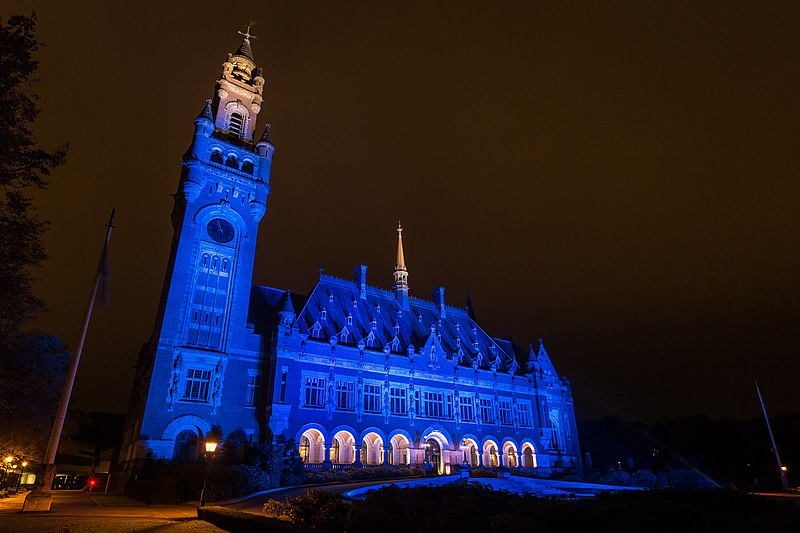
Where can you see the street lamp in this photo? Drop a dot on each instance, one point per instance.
(211, 448)
(19, 479)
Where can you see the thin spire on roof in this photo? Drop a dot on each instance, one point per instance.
(470, 309)
(205, 114)
(401, 261)
(400, 271)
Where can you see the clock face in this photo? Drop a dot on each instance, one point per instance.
(220, 230)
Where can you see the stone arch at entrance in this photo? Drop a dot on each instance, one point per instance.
(343, 448)
(312, 446)
(372, 449)
(399, 449)
(528, 455)
(491, 456)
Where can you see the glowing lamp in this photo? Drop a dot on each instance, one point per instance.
(784, 468)
(24, 464)
(9, 459)
(211, 446)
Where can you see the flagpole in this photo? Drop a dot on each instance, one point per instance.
(784, 481)
(42, 497)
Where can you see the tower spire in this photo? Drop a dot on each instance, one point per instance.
(400, 271)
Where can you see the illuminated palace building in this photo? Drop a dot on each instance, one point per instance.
(354, 374)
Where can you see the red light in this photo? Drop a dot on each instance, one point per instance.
(92, 482)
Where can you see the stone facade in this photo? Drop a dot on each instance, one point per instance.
(354, 374)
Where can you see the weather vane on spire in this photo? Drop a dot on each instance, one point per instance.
(246, 34)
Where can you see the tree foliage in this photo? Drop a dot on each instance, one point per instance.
(23, 166)
(31, 380)
(32, 366)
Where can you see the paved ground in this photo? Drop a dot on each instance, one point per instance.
(75, 511)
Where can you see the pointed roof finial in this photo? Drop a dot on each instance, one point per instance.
(267, 136)
(246, 34)
(245, 50)
(401, 260)
(206, 114)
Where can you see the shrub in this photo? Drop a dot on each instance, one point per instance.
(232, 520)
(482, 472)
(379, 472)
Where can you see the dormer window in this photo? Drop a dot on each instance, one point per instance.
(373, 324)
(378, 308)
(316, 331)
(330, 297)
(349, 320)
(396, 329)
(475, 345)
(355, 303)
(236, 123)
(323, 315)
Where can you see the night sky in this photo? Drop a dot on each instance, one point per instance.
(618, 178)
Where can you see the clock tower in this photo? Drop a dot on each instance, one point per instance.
(201, 336)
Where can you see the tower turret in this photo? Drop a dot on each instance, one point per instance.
(239, 92)
(400, 271)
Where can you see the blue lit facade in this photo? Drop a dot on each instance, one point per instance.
(354, 374)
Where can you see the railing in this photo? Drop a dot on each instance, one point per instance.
(342, 466)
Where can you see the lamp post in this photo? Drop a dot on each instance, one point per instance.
(22, 472)
(211, 448)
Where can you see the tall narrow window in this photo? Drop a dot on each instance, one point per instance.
(283, 385)
(398, 401)
(487, 413)
(253, 388)
(315, 392)
(433, 404)
(236, 124)
(345, 395)
(467, 409)
(372, 398)
(505, 413)
(523, 413)
(209, 300)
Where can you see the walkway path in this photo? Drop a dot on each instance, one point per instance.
(75, 511)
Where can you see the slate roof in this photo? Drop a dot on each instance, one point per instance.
(334, 307)
(244, 50)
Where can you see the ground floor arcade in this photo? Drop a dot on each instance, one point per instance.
(344, 446)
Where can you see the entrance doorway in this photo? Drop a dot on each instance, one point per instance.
(433, 455)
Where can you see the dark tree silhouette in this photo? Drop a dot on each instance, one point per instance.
(32, 365)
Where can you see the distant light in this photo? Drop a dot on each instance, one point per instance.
(784, 468)
(9, 458)
(211, 446)
(24, 464)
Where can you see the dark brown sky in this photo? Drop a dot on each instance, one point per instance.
(619, 178)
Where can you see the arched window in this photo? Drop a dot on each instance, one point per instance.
(236, 123)
(232, 162)
(247, 167)
(185, 446)
(216, 157)
(335, 447)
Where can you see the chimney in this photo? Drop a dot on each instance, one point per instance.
(360, 278)
(438, 299)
